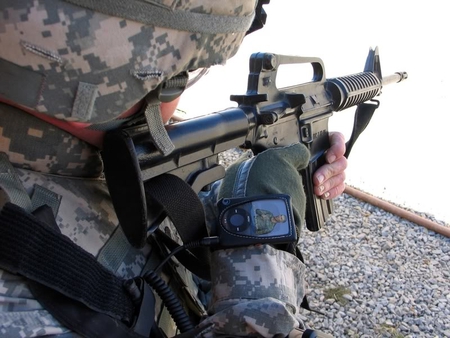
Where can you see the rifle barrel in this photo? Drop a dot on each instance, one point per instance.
(394, 78)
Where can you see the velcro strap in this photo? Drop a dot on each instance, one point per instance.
(19, 84)
(156, 14)
(83, 105)
(31, 248)
(11, 189)
(156, 128)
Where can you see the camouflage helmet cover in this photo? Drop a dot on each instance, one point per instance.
(90, 61)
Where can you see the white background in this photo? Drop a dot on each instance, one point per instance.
(402, 156)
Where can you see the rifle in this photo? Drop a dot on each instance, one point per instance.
(266, 117)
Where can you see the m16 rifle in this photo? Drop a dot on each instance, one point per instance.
(266, 117)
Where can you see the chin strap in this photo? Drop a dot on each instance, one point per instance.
(156, 127)
(166, 92)
(260, 17)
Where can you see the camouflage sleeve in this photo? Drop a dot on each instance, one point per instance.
(209, 201)
(261, 212)
(256, 291)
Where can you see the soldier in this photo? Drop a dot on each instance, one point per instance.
(266, 221)
(70, 71)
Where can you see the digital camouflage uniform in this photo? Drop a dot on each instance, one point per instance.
(85, 213)
(77, 63)
(87, 66)
(264, 222)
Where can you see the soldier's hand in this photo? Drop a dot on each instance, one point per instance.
(273, 171)
(329, 179)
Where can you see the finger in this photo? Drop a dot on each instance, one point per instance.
(337, 147)
(327, 171)
(329, 185)
(333, 193)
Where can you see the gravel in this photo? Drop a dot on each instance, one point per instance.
(374, 274)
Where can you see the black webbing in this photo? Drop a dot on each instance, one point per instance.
(32, 249)
(78, 317)
(186, 212)
(363, 115)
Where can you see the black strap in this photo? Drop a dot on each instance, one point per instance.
(185, 209)
(260, 17)
(363, 115)
(181, 204)
(78, 317)
(32, 249)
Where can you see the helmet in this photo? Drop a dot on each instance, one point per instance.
(91, 61)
